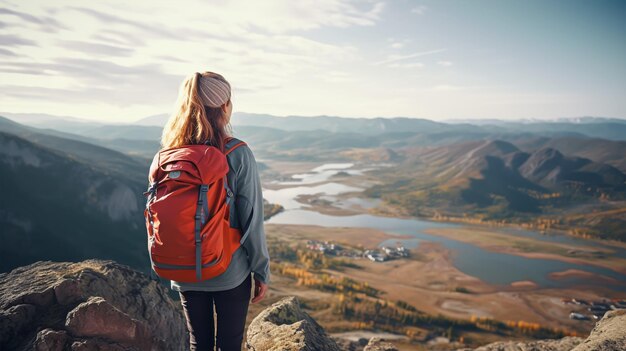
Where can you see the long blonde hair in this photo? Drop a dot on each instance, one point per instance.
(194, 123)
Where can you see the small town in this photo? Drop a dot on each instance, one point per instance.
(593, 310)
(382, 254)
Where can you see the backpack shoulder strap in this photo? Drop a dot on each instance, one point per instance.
(232, 144)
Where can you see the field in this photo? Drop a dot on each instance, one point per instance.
(441, 299)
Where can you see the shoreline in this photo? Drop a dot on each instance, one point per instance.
(390, 211)
(494, 247)
(429, 281)
(385, 212)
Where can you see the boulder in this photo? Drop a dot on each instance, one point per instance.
(89, 305)
(564, 344)
(51, 340)
(378, 344)
(609, 334)
(285, 327)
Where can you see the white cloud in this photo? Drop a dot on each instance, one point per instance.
(406, 65)
(420, 10)
(395, 58)
(444, 63)
(132, 56)
(398, 43)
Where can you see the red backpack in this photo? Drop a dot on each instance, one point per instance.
(188, 212)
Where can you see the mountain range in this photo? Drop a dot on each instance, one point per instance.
(65, 199)
(73, 187)
(495, 180)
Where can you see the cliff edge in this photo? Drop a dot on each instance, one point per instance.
(106, 306)
(90, 305)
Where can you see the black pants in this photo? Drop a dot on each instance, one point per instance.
(231, 307)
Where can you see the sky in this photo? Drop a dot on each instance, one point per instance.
(121, 61)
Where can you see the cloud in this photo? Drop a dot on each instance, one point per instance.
(111, 36)
(149, 29)
(444, 63)
(122, 53)
(406, 65)
(395, 58)
(286, 15)
(420, 10)
(96, 48)
(45, 22)
(13, 40)
(398, 43)
(7, 52)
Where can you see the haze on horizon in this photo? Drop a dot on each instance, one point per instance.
(448, 59)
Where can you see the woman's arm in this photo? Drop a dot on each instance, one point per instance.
(249, 206)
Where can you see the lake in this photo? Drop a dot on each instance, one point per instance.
(492, 267)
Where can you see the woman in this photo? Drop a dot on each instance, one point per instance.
(203, 114)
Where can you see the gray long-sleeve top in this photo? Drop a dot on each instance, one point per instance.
(246, 213)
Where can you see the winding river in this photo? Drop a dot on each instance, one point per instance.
(492, 267)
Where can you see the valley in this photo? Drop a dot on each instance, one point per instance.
(503, 227)
(507, 274)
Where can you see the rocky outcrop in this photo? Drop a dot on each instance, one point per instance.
(285, 327)
(102, 305)
(565, 344)
(91, 305)
(377, 344)
(609, 334)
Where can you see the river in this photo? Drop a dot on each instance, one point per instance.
(492, 267)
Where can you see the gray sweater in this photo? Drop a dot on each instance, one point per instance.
(246, 213)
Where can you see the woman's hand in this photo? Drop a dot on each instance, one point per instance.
(260, 289)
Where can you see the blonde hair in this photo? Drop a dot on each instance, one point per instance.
(194, 123)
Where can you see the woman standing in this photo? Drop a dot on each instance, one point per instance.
(203, 116)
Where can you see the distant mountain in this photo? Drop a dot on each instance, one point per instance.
(154, 120)
(495, 180)
(77, 147)
(48, 121)
(127, 132)
(140, 143)
(599, 150)
(67, 200)
(604, 130)
(576, 120)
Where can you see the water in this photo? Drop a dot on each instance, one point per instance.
(287, 196)
(491, 267)
(321, 174)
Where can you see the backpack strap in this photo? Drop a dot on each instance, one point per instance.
(231, 144)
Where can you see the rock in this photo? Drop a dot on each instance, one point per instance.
(90, 305)
(351, 345)
(609, 334)
(564, 344)
(99, 345)
(14, 319)
(98, 318)
(285, 327)
(378, 344)
(51, 340)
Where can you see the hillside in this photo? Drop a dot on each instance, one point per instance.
(85, 147)
(70, 202)
(495, 181)
(599, 150)
(300, 138)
